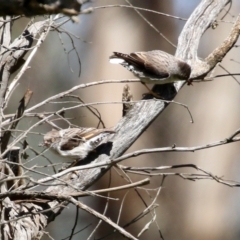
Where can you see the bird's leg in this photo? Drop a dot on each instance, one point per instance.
(151, 92)
(73, 164)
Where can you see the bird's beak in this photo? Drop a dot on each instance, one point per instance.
(45, 144)
(42, 144)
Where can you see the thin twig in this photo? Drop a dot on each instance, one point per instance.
(141, 9)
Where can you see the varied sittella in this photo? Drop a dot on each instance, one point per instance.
(76, 142)
(154, 67)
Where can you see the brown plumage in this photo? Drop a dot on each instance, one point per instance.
(75, 142)
(155, 67)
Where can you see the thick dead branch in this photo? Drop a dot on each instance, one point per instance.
(37, 7)
(29, 226)
(21, 108)
(219, 53)
(141, 115)
(12, 53)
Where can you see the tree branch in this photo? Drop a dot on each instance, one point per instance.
(39, 7)
(131, 126)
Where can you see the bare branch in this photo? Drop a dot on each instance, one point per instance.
(219, 53)
(32, 8)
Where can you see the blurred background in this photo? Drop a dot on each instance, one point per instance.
(197, 210)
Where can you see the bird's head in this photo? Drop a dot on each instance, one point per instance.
(50, 138)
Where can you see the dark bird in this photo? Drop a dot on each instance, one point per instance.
(154, 67)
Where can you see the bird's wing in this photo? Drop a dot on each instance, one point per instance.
(71, 138)
(152, 64)
(89, 133)
(75, 136)
(118, 57)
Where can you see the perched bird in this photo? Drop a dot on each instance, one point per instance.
(154, 67)
(75, 142)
